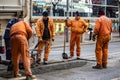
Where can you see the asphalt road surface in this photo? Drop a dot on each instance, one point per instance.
(86, 72)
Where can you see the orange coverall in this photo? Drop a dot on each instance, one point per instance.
(19, 34)
(40, 29)
(78, 27)
(103, 31)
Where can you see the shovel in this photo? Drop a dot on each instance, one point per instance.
(35, 46)
(33, 56)
(64, 55)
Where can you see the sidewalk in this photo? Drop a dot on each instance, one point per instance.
(59, 40)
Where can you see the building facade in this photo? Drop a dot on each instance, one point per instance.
(88, 9)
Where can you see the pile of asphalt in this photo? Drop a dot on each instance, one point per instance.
(51, 66)
(60, 65)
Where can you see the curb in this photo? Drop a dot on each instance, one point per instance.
(52, 66)
(58, 66)
(84, 43)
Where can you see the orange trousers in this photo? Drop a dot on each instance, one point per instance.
(102, 50)
(19, 48)
(75, 39)
(46, 46)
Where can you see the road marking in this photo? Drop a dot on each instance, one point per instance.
(21, 78)
(114, 53)
(91, 56)
(116, 78)
(18, 78)
(108, 54)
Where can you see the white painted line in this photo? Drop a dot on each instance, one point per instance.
(110, 54)
(21, 78)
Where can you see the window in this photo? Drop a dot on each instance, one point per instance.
(112, 2)
(38, 7)
(112, 12)
(96, 9)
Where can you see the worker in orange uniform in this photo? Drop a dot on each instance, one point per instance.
(45, 32)
(102, 31)
(19, 34)
(78, 27)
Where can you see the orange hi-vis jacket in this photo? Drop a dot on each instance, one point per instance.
(103, 29)
(79, 26)
(19, 34)
(21, 28)
(40, 28)
(103, 26)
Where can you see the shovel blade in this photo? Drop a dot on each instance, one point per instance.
(64, 56)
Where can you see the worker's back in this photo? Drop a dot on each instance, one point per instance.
(21, 28)
(105, 25)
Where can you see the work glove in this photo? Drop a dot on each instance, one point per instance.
(53, 39)
(40, 39)
(93, 37)
(83, 31)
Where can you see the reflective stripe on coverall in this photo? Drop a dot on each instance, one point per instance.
(77, 29)
(103, 29)
(20, 33)
(40, 30)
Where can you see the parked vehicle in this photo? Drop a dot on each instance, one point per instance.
(8, 10)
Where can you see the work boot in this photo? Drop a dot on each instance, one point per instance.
(21, 66)
(78, 57)
(104, 66)
(18, 75)
(30, 77)
(10, 66)
(97, 67)
(45, 62)
(38, 61)
(0, 59)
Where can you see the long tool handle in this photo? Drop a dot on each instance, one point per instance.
(36, 46)
(64, 39)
